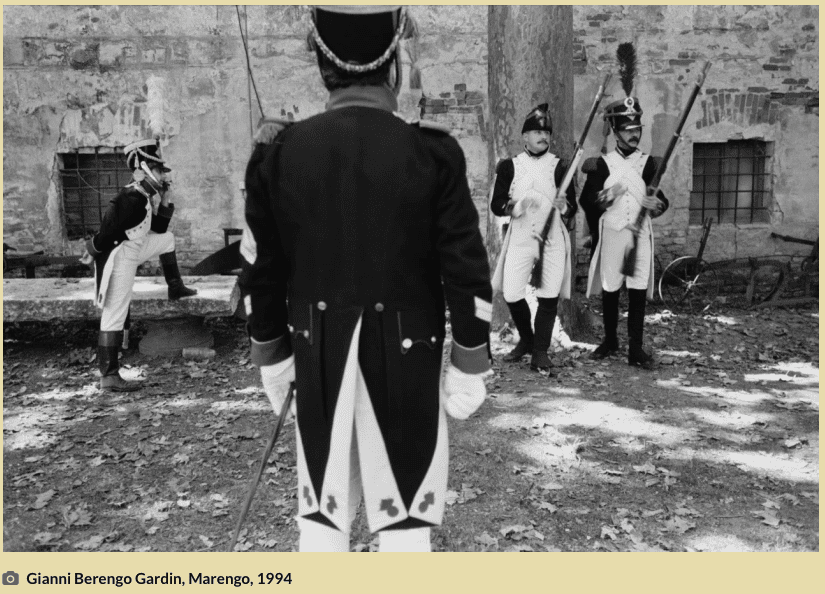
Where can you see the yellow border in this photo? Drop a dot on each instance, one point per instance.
(456, 572)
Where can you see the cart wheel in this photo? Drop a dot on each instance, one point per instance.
(688, 284)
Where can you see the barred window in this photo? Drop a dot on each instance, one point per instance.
(731, 182)
(90, 177)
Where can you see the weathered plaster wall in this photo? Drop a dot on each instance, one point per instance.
(75, 76)
(763, 83)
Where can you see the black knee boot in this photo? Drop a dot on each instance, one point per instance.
(520, 312)
(636, 355)
(545, 321)
(610, 316)
(108, 345)
(169, 262)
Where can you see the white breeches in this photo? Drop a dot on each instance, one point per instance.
(127, 258)
(318, 538)
(614, 244)
(518, 266)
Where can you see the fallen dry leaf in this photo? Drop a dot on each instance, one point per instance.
(678, 525)
(43, 499)
(44, 538)
(608, 532)
(769, 517)
(486, 540)
(91, 544)
(646, 468)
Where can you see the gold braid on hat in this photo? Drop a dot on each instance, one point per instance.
(133, 154)
(360, 68)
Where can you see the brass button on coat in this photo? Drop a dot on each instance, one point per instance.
(406, 343)
(379, 307)
(322, 305)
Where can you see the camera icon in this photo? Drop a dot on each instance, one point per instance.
(10, 578)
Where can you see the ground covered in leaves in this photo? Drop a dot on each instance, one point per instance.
(715, 450)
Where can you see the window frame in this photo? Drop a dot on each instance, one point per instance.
(713, 202)
(87, 196)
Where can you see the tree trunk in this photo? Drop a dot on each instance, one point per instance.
(530, 51)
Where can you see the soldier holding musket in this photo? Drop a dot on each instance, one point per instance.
(526, 189)
(614, 194)
(363, 224)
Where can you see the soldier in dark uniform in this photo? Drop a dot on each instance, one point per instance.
(131, 233)
(526, 189)
(363, 223)
(613, 195)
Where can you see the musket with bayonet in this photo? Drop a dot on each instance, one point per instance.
(578, 151)
(629, 265)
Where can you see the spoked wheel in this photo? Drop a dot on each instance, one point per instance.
(688, 284)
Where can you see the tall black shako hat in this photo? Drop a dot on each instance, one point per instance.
(538, 119)
(358, 38)
(145, 151)
(625, 114)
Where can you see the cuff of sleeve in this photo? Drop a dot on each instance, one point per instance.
(470, 360)
(166, 211)
(270, 352)
(90, 247)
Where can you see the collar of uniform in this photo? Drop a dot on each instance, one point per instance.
(137, 186)
(536, 155)
(377, 97)
(625, 154)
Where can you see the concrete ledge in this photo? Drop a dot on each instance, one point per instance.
(43, 299)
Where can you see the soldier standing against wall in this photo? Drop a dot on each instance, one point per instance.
(364, 223)
(613, 195)
(131, 233)
(525, 189)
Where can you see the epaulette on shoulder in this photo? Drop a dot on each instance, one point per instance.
(426, 124)
(590, 165)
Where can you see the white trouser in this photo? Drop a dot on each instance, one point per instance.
(614, 244)
(318, 538)
(518, 266)
(132, 253)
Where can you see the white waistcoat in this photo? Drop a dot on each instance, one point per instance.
(624, 210)
(539, 174)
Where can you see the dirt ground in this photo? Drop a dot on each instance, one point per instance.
(715, 450)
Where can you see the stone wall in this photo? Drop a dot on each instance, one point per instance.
(75, 76)
(763, 84)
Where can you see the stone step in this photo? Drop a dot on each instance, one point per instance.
(43, 299)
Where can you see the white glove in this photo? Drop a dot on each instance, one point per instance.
(462, 393)
(267, 130)
(531, 198)
(608, 195)
(276, 379)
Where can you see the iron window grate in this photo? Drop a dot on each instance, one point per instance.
(89, 179)
(732, 182)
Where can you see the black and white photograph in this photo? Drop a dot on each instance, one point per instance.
(426, 278)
